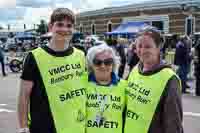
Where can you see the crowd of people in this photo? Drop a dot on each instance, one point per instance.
(185, 58)
(65, 89)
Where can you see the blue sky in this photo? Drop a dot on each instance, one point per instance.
(18, 12)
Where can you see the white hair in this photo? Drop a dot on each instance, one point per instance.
(93, 51)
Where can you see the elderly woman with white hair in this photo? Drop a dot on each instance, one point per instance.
(105, 92)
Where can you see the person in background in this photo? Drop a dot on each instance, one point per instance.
(181, 60)
(119, 45)
(132, 56)
(2, 62)
(188, 44)
(197, 67)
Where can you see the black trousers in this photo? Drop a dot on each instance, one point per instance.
(197, 76)
(121, 70)
(3, 67)
(197, 89)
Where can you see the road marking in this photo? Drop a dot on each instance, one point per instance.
(6, 110)
(3, 104)
(191, 114)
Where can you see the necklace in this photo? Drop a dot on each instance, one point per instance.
(102, 100)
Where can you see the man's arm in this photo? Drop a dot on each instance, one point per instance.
(173, 111)
(23, 102)
(26, 85)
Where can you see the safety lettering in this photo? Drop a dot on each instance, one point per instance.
(72, 94)
(102, 124)
(132, 115)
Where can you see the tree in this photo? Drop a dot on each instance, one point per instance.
(42, 27)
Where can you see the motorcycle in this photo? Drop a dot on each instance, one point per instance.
(15, 62)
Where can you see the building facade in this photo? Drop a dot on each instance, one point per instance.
(170, 16)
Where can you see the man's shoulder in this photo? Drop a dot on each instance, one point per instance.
(29, 57)
(37, 49)
(77, 50)
(29, 67)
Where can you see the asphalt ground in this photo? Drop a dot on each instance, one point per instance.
(9, 89)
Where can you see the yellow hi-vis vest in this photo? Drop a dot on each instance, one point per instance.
(112, 100)
(66, 96)
(143, 95)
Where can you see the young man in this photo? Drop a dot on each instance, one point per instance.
(51, 91)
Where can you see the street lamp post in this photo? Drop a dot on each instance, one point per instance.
(189, 10)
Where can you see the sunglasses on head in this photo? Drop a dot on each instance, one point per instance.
(60, 24)
(107, 62)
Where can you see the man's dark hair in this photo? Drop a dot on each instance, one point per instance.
(60, 14)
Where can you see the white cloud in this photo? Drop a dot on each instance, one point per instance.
(7, 3)
(35, 10)
(9, 14)
(86, 5)
(33, 16)
(33, 3)
(38, 14)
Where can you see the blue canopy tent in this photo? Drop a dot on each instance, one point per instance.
(128, 28)
(24, 35)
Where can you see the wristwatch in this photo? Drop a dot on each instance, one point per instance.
(23, 130)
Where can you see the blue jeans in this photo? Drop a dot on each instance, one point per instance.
(182, 73)
(3, 67)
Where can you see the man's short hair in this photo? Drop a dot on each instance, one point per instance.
(60, 14)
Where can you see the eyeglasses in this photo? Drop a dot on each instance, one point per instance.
(148, 30)
(106, 62)
(60, 24)
(153, 32)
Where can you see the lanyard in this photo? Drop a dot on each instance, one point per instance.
(102, 104)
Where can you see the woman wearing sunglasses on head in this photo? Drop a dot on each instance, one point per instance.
(105, 92)
(154, 90)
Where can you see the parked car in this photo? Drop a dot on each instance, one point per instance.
(94, 40)
(195, 39)
(78, 38)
